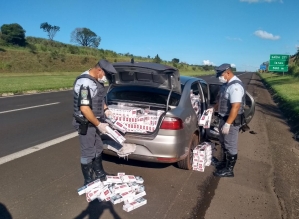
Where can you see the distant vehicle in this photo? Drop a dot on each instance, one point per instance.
(160, 87)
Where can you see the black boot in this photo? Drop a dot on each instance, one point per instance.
(220, 164)
(228, 170)
(98, 168)
(87, 173)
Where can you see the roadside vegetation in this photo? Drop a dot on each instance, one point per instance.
(285, 90)
(38, 64)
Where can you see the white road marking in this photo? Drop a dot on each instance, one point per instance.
(8, 111)
(35, 148)
(27, 94)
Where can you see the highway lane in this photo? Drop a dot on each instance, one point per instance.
(28, 127)
(44, 184)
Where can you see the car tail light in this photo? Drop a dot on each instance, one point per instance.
(172, 123)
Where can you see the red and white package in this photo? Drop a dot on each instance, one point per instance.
(134, 197)
(105, 194)
(113, 179)
(115, 135)
(128, 178)
(136, 204)
(93, 194)
(90, 186)
(121, 188)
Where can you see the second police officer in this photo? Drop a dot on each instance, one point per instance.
(230, 107)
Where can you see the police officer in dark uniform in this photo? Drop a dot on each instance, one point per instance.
(230, 108)
(89, 112)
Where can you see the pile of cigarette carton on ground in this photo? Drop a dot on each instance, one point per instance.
(202, 156)
(128, 189)
(135, 119)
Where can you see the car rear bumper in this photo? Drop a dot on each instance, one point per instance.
(163, 149)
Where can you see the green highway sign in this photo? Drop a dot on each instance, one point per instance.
(278, 68)
(279, 63)
(279, 57)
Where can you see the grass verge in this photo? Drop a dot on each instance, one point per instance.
(18, 83)
(285, 91)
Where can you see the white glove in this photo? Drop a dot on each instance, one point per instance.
(102, 127)
(108, 114)
(225, 128)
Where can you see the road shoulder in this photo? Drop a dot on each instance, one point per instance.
(252, 192)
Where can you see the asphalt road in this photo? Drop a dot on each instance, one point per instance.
(43, 184)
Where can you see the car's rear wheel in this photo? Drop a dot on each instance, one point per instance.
(187, 162)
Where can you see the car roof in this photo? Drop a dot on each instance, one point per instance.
(150, 65)
(185, 79)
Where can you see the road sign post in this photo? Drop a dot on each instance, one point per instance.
(279, 63)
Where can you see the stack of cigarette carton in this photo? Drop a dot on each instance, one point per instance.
(205, 119)
(195, 101)
(202, 156)
(134, 119)
(128, 189)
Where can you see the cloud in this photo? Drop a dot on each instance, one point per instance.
(207, 62)
(257, 1)
(233, 65)
(265, 35)
(234, 38)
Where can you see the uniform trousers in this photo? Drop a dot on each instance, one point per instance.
(229, 141)
(91, 144)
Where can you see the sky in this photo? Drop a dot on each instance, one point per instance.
(242, 33)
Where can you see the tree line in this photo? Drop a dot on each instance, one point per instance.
(15, 34)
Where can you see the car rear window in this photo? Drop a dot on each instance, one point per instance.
(142, 94)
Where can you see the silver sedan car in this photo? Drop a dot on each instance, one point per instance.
(161, 88)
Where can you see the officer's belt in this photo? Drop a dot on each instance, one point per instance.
(237, 121)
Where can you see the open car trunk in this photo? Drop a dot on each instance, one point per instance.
(148, 75)
(140, 109)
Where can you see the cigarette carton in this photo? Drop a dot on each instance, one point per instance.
(121, 174)
(133, 198)
(134, 186)
(127, 195)
(121, 188)
(113, 179)
(136, 204)
(88, 187)
(139, 179)
(105, 194)
(115, 134)
(93, 194)
(128, 178)
(140, 189)
(116, 199)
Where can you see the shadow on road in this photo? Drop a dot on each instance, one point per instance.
(95, 209)
(4, 213)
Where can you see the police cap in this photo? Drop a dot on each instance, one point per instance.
(222, 68)
(107, 66)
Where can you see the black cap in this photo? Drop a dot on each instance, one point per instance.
(107, 66)
(220, 69)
